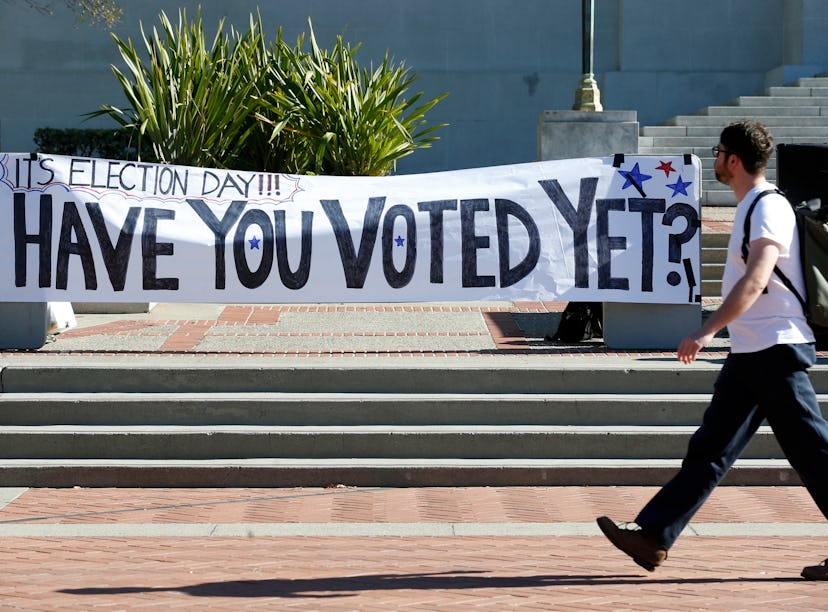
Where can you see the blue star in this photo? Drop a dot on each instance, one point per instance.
(635, 178)
(254, 243)
(400, 241)
(679, 187)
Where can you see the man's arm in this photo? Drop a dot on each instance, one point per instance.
(762, 258)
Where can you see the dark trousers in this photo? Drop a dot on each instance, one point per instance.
(772, 384)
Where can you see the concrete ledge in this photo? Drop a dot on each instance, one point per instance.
(566, 134)
(400, 443)
(23, 325)
(112, 307)
(649, 326)
(373, 473)
(427, 378)
(380, 530)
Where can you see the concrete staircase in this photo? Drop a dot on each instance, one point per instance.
(372, 426)
(795, 113)
(713, 257)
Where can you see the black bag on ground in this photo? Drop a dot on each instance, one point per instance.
(580, 321)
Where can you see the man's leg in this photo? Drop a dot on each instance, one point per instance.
(793, 413)
(729, 423)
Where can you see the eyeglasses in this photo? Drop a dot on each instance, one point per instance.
(717, 149)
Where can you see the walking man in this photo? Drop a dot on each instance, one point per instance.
(764, 376)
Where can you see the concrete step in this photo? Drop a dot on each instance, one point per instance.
(712, 271)
(815, 128)
(686, 142)
(710, 255)
(814, 81)
(785, 135)
(699, 151)
(713, 240)
(397, 425)
(709, 173)
(338, 442)
(719, 197)
(772, 121)
(712, 185)
(711, 288)
(272, 410)
(790, 97)
(503, 378)
(803, 110)
(787, 91)
(371, 472)
(347, 409)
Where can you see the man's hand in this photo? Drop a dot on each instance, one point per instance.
(761, 260)
(691, 345)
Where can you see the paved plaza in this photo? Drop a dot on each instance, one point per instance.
(341, 548)
(346, 548)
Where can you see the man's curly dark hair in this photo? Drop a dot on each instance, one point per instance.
(751, 142)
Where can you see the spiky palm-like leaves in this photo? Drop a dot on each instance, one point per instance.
(352, 120)
(242, 102)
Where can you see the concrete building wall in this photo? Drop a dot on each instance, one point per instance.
(503, 63)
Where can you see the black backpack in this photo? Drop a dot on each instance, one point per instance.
(812, 228)
(580, 321)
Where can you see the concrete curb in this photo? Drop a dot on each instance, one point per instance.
(384, 530)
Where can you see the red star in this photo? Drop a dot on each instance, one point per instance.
(667, 167)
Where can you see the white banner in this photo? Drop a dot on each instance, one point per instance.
(622, 229)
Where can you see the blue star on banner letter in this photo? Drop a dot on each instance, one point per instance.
(254, 243)
(635, 178)
(400, 241)
(679, 187)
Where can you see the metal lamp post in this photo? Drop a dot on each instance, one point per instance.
(587, 96)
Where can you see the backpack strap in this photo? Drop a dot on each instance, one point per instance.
(745, 241)
(746, 234)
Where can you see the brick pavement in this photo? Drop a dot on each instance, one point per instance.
(268, 329)
(171, 553)
(389, 505)
(313, 572)
(356, 330)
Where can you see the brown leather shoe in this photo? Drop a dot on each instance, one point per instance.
(816, 572)
(644, 550)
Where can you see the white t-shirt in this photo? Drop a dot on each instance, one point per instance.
(776, 317)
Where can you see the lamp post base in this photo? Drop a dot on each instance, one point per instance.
(587, 96)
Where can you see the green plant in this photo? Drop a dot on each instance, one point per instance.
(244, 103)
(191, 101)
(352, 120)
(106, 143)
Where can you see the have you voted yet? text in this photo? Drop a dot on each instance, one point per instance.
(83, 237)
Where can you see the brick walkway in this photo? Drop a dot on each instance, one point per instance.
(356, 330)
(532, 548)
(50, 571)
